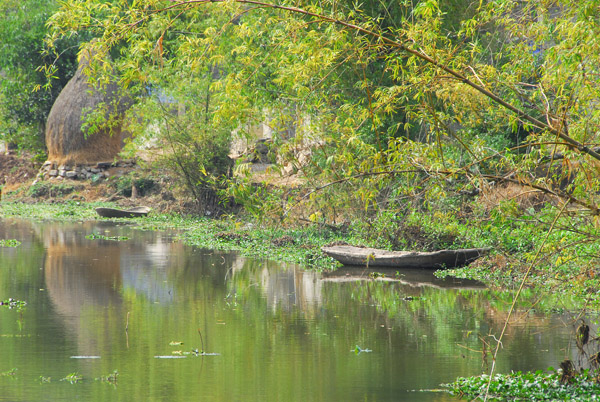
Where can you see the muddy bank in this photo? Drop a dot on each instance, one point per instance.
(123, 183)
(16, 170)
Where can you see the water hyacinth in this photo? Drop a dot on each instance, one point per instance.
(538, 386)
(9, 243)
(13, 303)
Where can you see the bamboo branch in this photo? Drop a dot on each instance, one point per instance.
(559, 131)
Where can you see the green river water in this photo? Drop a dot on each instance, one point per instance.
(270, 332)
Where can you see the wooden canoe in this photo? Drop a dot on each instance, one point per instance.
(371, 257)
(123, 213)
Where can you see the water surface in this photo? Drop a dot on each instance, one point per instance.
(272, 332)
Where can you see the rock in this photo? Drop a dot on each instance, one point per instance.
(71, 174)
(53, 172)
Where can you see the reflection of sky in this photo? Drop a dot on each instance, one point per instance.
(288, 287)
(145, 271)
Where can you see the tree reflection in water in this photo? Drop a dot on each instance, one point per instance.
(275, 327)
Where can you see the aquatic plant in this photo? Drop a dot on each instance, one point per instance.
(96, 236)
(109, 378)
(9, 243)
(529, 386)
(13, 303)
(67, 211)
(9, 373)
(73, 378)
(571, 382)
(359, 350)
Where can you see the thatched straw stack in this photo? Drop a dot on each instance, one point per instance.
(66, 141)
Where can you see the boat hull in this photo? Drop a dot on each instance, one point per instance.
(371, 257)
(121, 213)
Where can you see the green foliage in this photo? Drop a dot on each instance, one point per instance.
(538, 386)
(144, 185)
(391, 103)
(397, 120)
(68, 211)
(199, 156)
(24, 104)
(296, 245)
(48, 189)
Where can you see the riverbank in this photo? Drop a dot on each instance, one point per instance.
(302, 244)
(535, 245)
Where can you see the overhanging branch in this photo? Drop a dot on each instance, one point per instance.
(558, 131)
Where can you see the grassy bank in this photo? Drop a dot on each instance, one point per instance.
(301, 244)
(560, 261)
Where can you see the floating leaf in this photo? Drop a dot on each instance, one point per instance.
(85, 357)
(358, 350)
(96, 236)
(10, 372)
(9, 243)
(13, 303)
(170, 357)
(73, 378)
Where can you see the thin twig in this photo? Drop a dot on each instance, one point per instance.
(514, 302)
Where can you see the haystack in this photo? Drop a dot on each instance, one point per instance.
(65, 138)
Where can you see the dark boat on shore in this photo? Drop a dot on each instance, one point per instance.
(371, 257)
(123, 213)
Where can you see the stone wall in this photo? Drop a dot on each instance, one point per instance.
(82, 171)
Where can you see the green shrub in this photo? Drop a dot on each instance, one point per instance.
(47, 189)
(144, 185)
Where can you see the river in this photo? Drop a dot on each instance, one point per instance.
(179, 323)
